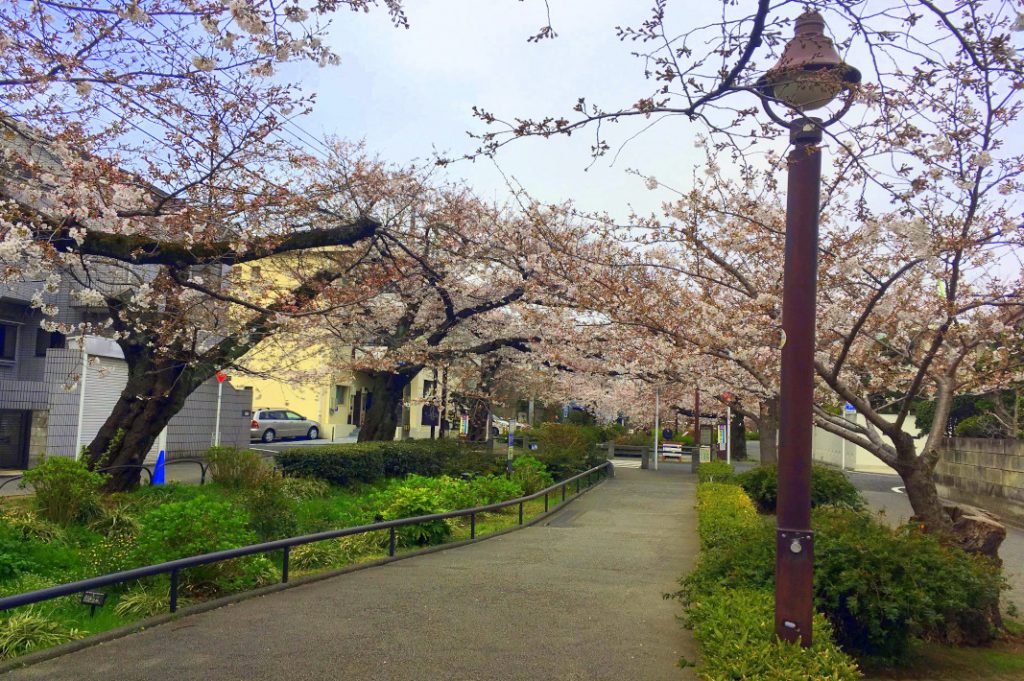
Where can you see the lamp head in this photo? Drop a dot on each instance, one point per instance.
(810, 73)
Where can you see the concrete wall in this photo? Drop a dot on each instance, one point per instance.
(190, 432)
(983, 472)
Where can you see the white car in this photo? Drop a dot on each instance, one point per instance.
(276, 424)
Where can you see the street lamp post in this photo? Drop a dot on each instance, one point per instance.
(809, 75)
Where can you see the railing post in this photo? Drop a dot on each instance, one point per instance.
(577, 485)
(563, 491)
(472, 525)
(520, 513)
(284, 565)
(391, 541)
(545, 502)
(174, 591)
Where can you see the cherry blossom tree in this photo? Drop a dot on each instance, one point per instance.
(146, 153)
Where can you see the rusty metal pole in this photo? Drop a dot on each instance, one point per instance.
(794, 544)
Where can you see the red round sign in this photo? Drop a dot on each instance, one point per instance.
(221, 376)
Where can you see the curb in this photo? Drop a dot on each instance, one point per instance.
(156, 620)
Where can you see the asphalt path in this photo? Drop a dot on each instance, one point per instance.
(576, 597)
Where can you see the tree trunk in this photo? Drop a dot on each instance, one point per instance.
(738, 438)
(155, 392)
(385, 413)
(924, 498)
(768, 427)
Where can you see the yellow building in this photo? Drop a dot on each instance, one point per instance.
(287, 372)
(284, 377)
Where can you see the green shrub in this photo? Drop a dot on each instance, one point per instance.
(404, 501)
(142, 601)
(235, 468)
(66, 492)
(32, 526)
(531, 474)
(980, 425)
(303, 489)
(714, 471)
(877, 586)
(751, 435)
(736, 630)
(635, 439)
(880, 587)
(725, 511)
(117, 519)
(567, 449)
(371, 461)
(29, 629)
(22, 554)
(337, 464)
(194, 527)
(491, 489)
(272, 511)
(337, 553)
(828, 487)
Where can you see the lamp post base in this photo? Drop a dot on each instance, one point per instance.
(794, 603)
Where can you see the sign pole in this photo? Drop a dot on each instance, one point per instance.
(657, 423)
(728, 435)
(216, 423)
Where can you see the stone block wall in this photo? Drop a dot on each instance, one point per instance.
(983, 472)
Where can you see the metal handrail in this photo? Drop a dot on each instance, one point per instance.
(174, 566)
(203, 469)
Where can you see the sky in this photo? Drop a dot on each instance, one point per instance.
(410, 92)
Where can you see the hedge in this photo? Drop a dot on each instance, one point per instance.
(877, 587)
(370, 461)
(828, 487)
(734, 622)
(715, 471)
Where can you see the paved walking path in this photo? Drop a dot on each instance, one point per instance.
(577, 597)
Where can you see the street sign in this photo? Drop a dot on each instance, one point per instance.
(221, 376)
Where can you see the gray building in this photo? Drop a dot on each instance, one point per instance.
(56, 390)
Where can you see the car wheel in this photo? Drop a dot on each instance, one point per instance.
(268, 435)
(313, 433)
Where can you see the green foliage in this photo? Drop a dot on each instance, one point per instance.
(142, 601)
(715, 471)
(880, 587)
(407, 502)
(236, 468)
(751, 435)
(531, 474)
(567, 449)
(370, 461)
(32, 526)
(640, 439)
(610, 431)
(580, 417)
(736, 630)
(21, 553)
(828, 486)
(29, 629)
(272, 510)
(66, 492)
(115, 520)
(491, 489)
(725, 512)
(302, 489)
(337, 553)
(194, 527)
(979, 425)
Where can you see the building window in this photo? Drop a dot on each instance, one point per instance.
(46, 340)
(340, 397)
(8, 341)
(429, 388)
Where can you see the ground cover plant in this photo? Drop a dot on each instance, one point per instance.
(43, 543)
(877, 591)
